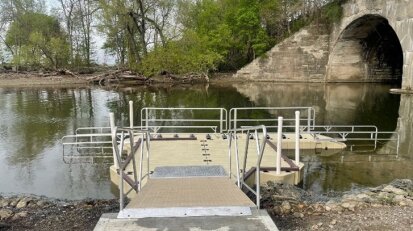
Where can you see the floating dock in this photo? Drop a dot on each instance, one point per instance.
(182, 169)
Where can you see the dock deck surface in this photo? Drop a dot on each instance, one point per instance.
(190, 192)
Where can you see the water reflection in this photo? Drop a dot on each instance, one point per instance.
(347, 104)
(34, 120)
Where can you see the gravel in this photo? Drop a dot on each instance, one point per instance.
(387, 207)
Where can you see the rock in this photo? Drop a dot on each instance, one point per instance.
(298, 215)
(319, 208)
(20, 215)
(22, 204)
(349, 205)
(333, 206)
(406, 202)
(5, 214)
(4, 203)
(362, 197)
(41, 203)
(13, 202)
(314, 227)
(285, 207)
(398, 198)
(320, 224)
(394, 190)
(333, 222)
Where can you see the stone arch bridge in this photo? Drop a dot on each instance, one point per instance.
(373, 42)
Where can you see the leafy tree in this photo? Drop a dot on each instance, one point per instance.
(189, 54)
(37, 39)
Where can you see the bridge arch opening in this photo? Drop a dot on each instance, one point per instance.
(367, 50)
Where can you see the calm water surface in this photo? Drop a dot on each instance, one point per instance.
(34, 120)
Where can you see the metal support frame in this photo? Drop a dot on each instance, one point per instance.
(260, 152)
(142, 143)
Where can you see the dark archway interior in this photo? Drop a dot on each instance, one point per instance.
(380, 48)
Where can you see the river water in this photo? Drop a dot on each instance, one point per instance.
(33, 121)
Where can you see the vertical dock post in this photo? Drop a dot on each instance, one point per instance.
(221, 117)
(146, 118)
(131, 113)
(297, 137)
(309, 119)
(279, 144)
(112, 129)
(235, 119)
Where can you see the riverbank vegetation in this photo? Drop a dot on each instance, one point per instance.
(151, 37)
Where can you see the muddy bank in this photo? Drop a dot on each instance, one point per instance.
(36, 80)
(38, 213)
(105, 79)
(387, 207)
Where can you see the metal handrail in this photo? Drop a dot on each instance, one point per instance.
(118, 147)
(260, 152)
(222, 123)
(309, 119)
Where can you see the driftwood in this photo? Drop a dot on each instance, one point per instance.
(128, 77)
(118, 76)
(189, 78)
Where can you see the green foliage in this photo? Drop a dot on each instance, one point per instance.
(234, 29)
(37, 40)
(333, 12)
(189, 54)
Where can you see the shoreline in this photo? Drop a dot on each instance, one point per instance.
(34, 79)
(386, 207)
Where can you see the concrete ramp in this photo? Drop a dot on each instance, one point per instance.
(259, 220)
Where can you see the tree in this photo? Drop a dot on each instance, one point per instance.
(79, 17)
(189, 54)
(37, 40)
(10, 10)
(134, 28)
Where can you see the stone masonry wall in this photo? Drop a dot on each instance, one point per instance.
(299, 58)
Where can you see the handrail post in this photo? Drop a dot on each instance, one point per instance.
(279, 144)
(221, 117)
(235, 119)
(309, 119)
(237, 160)
(146, 119)
(113, 130)
(229, 153)
(297, 137)
(131, 113)
(147, 138)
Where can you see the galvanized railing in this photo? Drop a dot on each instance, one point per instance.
(343, 133)
(237, 119)
(142, 142)
(183, 118)
(260, 152)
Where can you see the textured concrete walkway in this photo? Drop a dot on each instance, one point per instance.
(258, 221)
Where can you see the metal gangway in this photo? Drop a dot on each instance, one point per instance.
(190, 191)
(187, 196)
